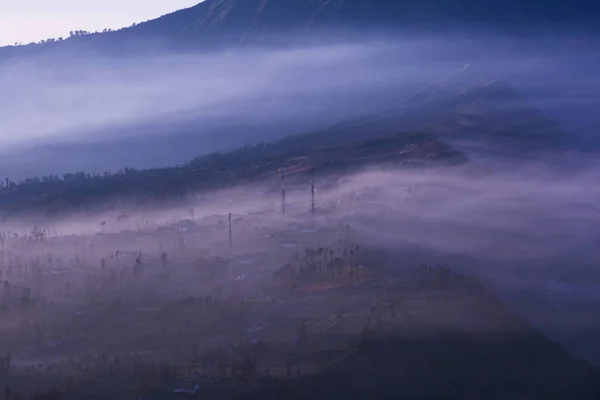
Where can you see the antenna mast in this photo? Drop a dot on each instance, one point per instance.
(282, 192)
(312, 189)
(230, 236)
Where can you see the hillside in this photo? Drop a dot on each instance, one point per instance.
(463, 110)
(449, 366)
(490, 354)
(437, 126)
(325, 152)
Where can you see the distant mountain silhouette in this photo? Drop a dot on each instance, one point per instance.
(232, 22)
(260, 15)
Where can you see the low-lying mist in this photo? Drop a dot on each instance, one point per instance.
(498, 212)
(527, 230)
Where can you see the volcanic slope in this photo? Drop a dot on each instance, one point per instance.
(230, 22)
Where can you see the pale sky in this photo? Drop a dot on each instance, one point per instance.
(32, 20)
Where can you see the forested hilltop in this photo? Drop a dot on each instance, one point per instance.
(324, 152)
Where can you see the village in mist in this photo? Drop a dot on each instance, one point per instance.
(251, 200)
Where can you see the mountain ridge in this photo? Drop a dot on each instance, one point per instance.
(231, 22)
(212, 14)
(468, 107)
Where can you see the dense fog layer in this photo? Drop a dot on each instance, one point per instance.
(72, 106)
(527, 230)
(518, 214)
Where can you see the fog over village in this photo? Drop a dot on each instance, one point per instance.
(252, 199)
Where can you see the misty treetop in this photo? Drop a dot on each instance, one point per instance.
(326, 151)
